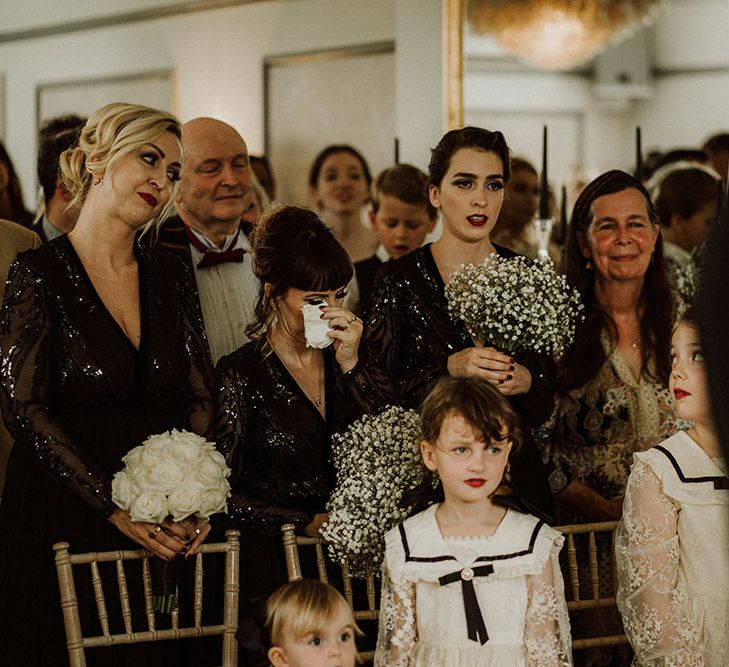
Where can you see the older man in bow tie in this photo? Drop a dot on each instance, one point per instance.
(214, 191)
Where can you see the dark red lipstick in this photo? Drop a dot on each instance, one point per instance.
(477, 220)
(150, 199)
(476, 483)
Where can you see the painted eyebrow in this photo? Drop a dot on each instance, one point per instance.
(159, 150)
(462, 174)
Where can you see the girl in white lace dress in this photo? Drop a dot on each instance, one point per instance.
(468, 582)
(672, 546)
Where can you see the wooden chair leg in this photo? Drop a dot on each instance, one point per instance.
(232, 597)
(69, 606)
(291, 550)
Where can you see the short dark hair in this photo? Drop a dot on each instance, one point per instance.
(292, 247)
(478, 402)
(683, 192)
(406, 183)
(18, 211)
(333, 149)
(717, 143)
(466, 137)
(56, 135)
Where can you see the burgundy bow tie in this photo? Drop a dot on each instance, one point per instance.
(210, 257)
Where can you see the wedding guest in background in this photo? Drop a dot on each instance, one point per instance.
(103, 346)
(54, 216)
(717, 148)
(14, 239)
(671, 546)
(339, 185)
(401, 217)
(410, 334)
(264, 174)
(612, 396)
(208, 232)
(280, 400)
(12, 206)
(685, 195)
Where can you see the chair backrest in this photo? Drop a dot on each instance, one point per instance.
(591, 577)
(77, 643)
(362, 612)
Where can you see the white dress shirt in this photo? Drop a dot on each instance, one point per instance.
(228, 294)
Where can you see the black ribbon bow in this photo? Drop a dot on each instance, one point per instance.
(474, 619)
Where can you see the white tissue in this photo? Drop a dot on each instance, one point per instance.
(315, 329)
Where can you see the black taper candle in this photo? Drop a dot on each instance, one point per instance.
(638, 154)
(397, 151)
(544, 186)
(562, 236)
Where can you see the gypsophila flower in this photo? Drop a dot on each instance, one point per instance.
(174, 474)
(377, 460)
(515, 304)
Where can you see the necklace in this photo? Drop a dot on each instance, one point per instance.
(315, 399)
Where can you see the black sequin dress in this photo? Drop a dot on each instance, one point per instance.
(77, 395)
(409, 336)
(278, 446)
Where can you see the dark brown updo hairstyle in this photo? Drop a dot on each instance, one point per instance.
(292, 247)
(586, 356)
(684, 190)
(466, 137)
(318, 163)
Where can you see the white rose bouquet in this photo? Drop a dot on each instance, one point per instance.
(174, 474)
(377, 460)
(515, 304)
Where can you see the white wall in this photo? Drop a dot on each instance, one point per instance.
(217, 57)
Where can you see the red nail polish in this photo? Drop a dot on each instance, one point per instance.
(501, 382)
(511, 368)
(508, 377)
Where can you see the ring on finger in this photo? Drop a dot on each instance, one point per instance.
(153, 533)
(197, 531)
(353, 318)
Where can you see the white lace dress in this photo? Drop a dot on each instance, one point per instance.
(672, 552)
(473, 602)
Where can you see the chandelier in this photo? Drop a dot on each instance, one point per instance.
(560, 34)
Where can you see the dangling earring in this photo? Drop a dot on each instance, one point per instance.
(588, 265)
(507, 472)
(97, 180)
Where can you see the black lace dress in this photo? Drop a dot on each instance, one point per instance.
(77, 395)
(409, 336)
(278, 446)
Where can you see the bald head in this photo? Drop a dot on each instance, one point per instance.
(215, 180)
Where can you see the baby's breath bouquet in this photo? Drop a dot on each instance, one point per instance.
(377, 460)
(515, 304)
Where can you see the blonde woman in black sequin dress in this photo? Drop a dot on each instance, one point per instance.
(102, 345)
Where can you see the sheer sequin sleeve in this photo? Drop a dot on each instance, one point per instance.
(398, 367)
(26, 330)
(234, 408)
(651, 600)
(397, 631)
(547, 628)
(201, 412)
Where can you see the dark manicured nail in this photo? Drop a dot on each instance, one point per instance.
(511, 368)
(509, 377)
(501, 382)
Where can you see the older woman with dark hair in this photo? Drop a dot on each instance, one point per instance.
(613, 399)
(11, 193)
(280, 400)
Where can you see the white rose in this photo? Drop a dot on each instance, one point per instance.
(185, 452)
(212, 501)
(165, 475)
(185, 500)
(211, 469)
(154, 448)
(149, 507)
(133, 457)
(121, 490)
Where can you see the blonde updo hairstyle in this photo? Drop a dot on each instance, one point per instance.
(111, 132)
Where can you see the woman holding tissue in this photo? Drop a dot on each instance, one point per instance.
(283, 395)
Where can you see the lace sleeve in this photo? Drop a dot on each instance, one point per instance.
(25, 346)
(650, 599)
(547, 627)
(397, 632)
(201, 413)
